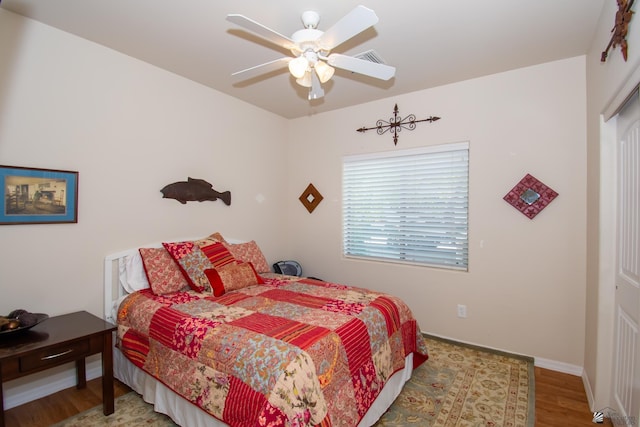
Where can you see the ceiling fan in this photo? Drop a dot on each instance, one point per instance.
(311, 63)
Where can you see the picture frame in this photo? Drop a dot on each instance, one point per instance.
(38, 196)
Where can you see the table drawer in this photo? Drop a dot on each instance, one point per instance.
(54, 355)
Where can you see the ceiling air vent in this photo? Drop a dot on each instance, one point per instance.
(372, 56)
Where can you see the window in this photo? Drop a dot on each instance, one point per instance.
(408, 206)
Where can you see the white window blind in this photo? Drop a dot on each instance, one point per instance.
(408, 206)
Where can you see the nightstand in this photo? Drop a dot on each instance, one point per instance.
(55, 341)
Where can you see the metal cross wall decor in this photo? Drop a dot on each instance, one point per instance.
(396, 124)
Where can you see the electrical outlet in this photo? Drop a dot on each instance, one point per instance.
(462, 311)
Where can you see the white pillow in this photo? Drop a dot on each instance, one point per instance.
(132, 275)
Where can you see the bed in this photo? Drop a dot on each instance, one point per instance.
(211, 337)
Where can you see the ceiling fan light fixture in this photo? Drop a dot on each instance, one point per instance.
(298, 66)
(324, 71)
(315, 91)
(310, 48)
(305, 81)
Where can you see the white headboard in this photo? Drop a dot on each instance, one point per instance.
(114, 288)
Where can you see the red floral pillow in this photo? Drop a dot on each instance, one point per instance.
(163, 273)
(232, 277)
(194, 258)
(217, 236)
(192, 262)
(250, 252)
(216, 252)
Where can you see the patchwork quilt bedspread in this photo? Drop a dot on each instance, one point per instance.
(289, 352)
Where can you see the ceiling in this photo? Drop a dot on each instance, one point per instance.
(430, 42)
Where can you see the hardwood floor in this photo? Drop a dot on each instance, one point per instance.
(59, 406)
(560, 401)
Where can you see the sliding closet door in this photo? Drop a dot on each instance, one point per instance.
(626, 380)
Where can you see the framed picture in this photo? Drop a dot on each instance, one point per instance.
(38, 196)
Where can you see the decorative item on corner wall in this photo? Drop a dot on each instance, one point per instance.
(530, 196)
(194, 190)
(396, 124)
(310, 198)
(38, 196)
(620, 29)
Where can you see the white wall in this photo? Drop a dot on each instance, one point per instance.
(129, 129)
(608, 83)
(525, 289)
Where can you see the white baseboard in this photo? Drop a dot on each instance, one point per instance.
(587, 389)
(563, 367)
(21, 391)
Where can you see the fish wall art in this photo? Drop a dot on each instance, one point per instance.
(194, 190)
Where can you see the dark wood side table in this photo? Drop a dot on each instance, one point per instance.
(55, 341)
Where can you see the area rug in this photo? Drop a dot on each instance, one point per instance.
(458, 386)
(463, 385)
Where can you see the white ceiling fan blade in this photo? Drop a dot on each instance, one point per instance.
(315, 91)
(354, 22)
(263, 68)
(361, 66)
(259, 29)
